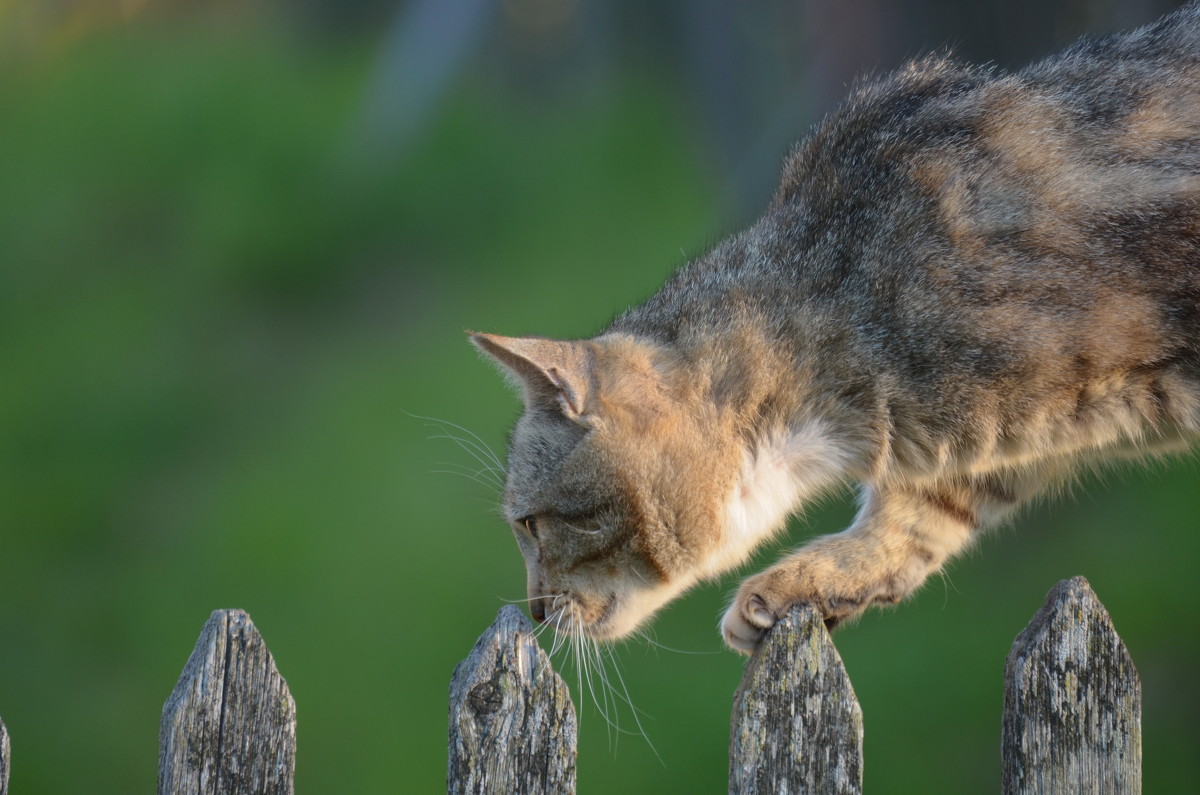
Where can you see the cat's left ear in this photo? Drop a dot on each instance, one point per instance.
(544, 369)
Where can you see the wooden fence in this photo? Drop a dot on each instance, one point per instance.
(1072, 712)
(229, 726)
(1071, 723)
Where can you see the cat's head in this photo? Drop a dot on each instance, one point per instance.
(617, 479)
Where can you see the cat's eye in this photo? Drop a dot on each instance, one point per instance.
(531, 527)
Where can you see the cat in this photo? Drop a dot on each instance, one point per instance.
(967, 286)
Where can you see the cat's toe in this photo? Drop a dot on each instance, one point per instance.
(745, 622)
(739, 635)
(756, 609)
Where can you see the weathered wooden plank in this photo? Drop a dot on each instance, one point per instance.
(5, 758)
(1072, 702)
(229, 726)
(512, 723)
(797, 726)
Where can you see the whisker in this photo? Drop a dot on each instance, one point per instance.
(541, 630)
(607, 692)
(518, 601)
(643, 634)
(578, 679)
(478, 441)
(633, 708)
(491, 476)
(559, 635)
(587, 663)
(471, 449)
(476, 447)
(488, 484)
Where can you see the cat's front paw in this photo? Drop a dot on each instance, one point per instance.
(746, 621)
(764, 598)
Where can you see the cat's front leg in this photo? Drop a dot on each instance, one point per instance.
(898, 539)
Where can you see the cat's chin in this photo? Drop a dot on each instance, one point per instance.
(614, 627)
(622, 613)
(610, 622)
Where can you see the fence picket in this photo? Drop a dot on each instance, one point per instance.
(1072, 702)
(5, 758)
(797, 726)
(512, 723)
(229, 726)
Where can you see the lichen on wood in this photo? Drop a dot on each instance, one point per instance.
(797, 726)
(1072, 702)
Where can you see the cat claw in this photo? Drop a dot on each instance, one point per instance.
(758, 613)
(745, 624)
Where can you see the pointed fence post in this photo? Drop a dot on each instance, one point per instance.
(1072, 702)
(512, 724)
(5, 758)
(797, 726)
(229, 726)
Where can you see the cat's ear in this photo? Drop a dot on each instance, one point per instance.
(545, 370)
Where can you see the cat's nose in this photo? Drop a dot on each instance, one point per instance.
(537, 608)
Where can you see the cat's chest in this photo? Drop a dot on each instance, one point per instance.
(775, 476)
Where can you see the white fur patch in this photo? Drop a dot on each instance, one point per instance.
(638, 604)
(777, 474)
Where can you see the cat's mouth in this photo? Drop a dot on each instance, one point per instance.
(609, 616)
(592, 617)
(616, 617)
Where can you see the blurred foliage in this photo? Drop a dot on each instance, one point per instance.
(217, 320)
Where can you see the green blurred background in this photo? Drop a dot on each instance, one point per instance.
(239, 244)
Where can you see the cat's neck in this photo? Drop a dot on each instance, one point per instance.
(784, 436)
(778, 472)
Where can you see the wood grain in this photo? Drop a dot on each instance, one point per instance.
(229, 726)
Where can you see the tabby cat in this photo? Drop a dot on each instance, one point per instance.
(967, 285)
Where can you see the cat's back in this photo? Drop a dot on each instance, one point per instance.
(1110, 123)
(956, 231)
(1057, 208)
